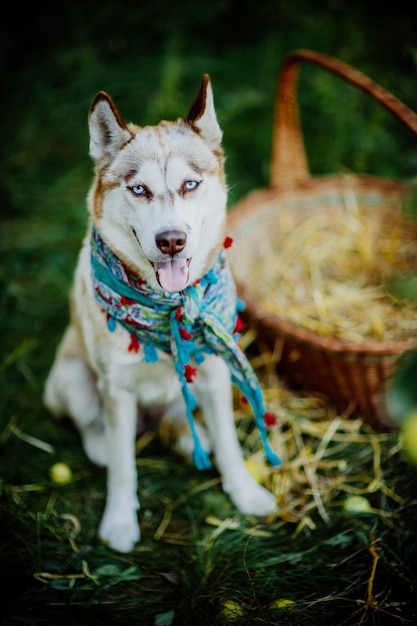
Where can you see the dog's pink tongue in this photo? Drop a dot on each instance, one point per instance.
(173, 275)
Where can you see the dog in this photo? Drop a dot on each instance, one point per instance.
(157, 210)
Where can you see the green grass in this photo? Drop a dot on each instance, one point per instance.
(54, 570)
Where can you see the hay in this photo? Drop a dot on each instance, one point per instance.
(327, 457)
(337, 272)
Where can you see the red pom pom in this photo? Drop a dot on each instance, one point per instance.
(190, 373)
(244, 400)
(270, 420)
(228, 242)
(185, 334)
(239, 325)
(134, 344)
(178, 313)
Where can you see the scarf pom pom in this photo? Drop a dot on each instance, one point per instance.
(111, 323)
(198, 358)
(190, 373)
(239, 326)
(185, 335)
(200, 457)
(151, 355)
(134, 344)
(272, 458)
(270, 419)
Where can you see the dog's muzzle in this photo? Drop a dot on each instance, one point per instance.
(172, 274)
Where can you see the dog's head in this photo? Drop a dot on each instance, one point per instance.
(159, 197)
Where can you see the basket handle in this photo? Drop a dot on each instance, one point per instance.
(288, 159)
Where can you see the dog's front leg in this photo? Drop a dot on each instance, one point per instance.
(119, 526)
(213, 391)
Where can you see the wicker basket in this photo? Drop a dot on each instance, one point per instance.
(353, 375)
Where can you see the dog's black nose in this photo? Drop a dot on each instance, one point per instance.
(171, 241)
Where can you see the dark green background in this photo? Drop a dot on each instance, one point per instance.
(150, 57)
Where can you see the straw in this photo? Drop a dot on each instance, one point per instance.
(331, 272)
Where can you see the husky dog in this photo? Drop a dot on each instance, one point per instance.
(158, 211)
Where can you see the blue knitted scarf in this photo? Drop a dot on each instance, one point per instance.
(186, 324)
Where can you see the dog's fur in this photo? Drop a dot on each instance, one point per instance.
(165, 179)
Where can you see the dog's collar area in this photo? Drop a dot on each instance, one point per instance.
(188, 324)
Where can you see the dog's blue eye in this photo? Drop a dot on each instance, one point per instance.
(138, 190)
(190, 185)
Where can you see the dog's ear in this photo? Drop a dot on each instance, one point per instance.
(202, 115)
(108, 131)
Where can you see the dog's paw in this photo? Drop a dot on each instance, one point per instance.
(251, 498)
(120, 530)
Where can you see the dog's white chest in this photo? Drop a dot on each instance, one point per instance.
(152, 383)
